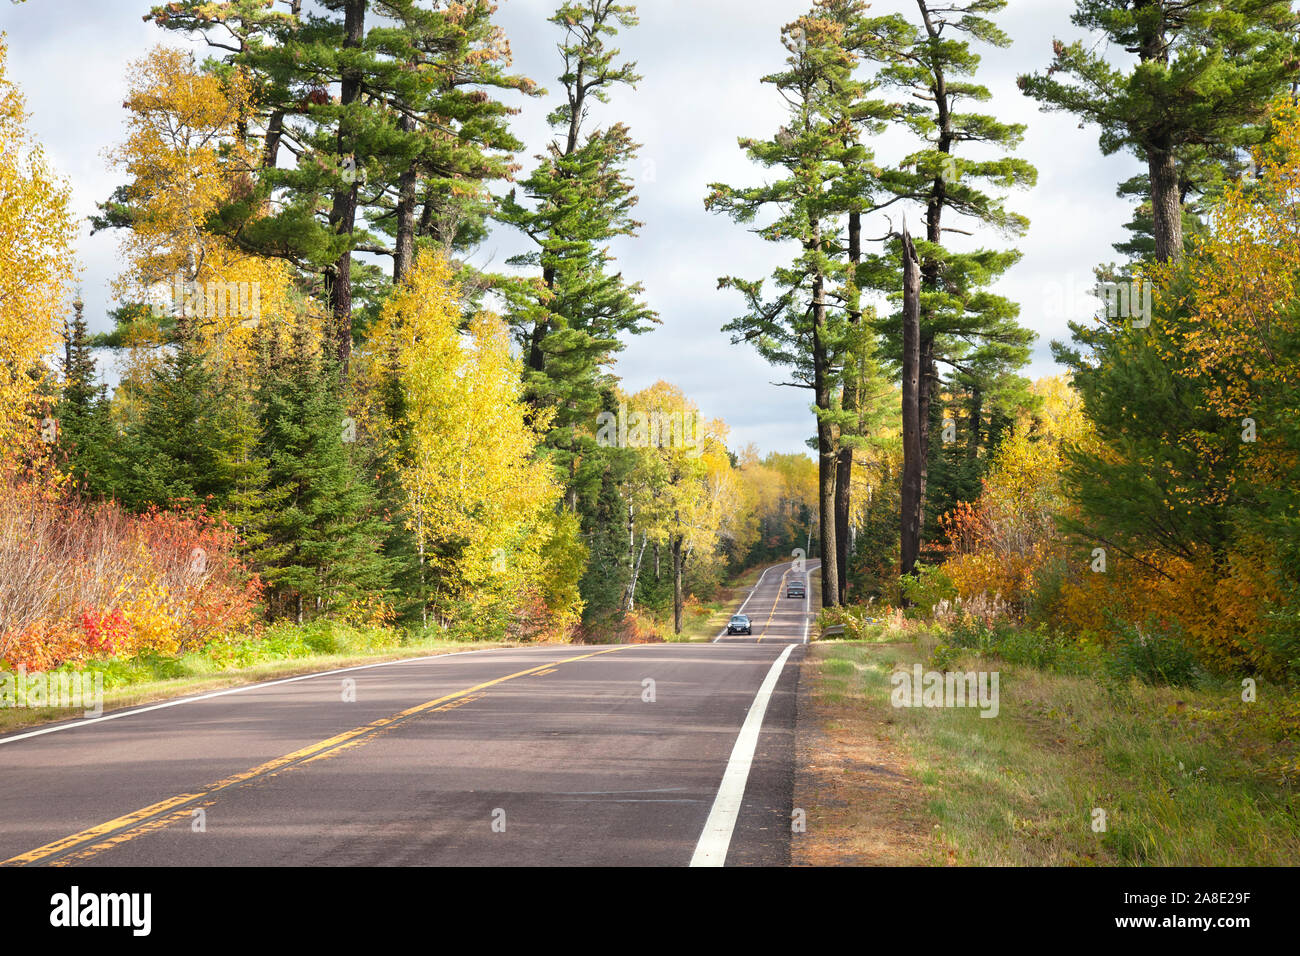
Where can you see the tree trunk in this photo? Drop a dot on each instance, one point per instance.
(976, 423)
(536, 357)
(1166, 204)
(637, 561)
(911, 490)
(631, 557)
(275, 123)
(827, 450)
(271, 145)
(927, 370)
(343, 214)
(928, 387)
(844, 467)
(1162, 170)
(678, 562)
(826, 468)
(404, 242)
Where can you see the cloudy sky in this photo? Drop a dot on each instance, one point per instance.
(701, 61)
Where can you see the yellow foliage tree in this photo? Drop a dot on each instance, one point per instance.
(37, 233)
(1003, 540)
(185, 159)
(684, 486)
(1246, 280)
(481, 504)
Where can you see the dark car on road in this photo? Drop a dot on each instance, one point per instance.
(795, 589)
(739, 624)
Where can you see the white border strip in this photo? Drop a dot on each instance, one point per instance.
(715, 840)
(807, 596)
(239, 690)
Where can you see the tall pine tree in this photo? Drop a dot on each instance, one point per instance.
(968, 334)
(1204, 75)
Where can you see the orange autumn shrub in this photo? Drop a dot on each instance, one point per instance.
(1088, 602)
(198, 580)
(1218, 609)
(80, 580)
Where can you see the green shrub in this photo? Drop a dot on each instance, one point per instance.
(1153, 654)
(1281, 640)
(944, 657)
(927, 588)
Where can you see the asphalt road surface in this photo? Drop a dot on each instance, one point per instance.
(654, 754)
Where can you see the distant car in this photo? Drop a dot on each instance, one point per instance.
(795, 589)
(739, 624)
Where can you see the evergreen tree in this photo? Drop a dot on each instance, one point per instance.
(569, 315)
(323, 548)
(404, 151)
(604, 581)
(85, 431)
(570, 311)
(812, 322)
(1205, 73)
(967, 333)
(184, 446)
(1164, 477)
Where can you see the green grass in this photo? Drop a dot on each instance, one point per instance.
(282, 651)
(1186, 777)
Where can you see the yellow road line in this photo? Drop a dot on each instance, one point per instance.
(772, 613)
(156, 815)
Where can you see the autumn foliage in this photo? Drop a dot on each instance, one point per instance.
(1167, 500)
(36, 264)
(79, 581)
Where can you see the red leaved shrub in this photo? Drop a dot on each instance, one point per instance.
(79, 580)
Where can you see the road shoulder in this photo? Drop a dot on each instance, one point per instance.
(864, 805)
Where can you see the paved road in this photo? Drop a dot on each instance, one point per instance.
(661, 754)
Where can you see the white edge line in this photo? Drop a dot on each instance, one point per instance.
(807, 586)
(807, 597)
(235, 690)
(715, 840)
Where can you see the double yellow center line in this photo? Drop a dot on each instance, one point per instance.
(104, 836)
(772, 613)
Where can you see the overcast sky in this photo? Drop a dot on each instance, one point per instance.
(701, 61)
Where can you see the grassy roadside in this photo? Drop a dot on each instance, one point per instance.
(1185, 777)
(136, 682)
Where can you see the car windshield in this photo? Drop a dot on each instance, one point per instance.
(739, 618)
